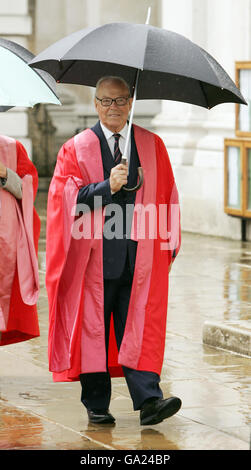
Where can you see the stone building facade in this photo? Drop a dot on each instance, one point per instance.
(194, 136)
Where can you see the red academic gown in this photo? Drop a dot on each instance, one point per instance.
(22, 319)
(74, 276)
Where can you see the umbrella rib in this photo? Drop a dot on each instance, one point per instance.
(204, 94)
(65, 71)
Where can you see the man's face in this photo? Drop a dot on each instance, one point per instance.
(113, 117)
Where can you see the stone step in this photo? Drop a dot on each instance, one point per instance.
(232, 336)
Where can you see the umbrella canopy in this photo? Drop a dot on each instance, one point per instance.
(20, 85)
(171, 66)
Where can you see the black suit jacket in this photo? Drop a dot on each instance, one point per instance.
(115, 249)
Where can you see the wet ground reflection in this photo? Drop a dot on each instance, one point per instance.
(210, 280)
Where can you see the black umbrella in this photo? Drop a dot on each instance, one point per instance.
(171, 66)
(159, 64)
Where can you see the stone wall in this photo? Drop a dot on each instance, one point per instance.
(42, 133)
(195, 136)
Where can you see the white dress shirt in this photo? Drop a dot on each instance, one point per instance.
(122, 140)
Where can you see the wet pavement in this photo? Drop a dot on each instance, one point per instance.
(210, 282)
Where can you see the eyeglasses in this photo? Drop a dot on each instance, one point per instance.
(120, 101)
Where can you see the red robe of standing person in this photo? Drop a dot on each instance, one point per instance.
(19, 234)
(74, 275)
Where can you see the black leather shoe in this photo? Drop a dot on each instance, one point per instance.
(100, 417)
(155, 410)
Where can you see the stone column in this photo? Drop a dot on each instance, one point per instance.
(195, 136)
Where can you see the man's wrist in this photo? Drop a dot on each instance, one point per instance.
(4, 177)
(3, 173)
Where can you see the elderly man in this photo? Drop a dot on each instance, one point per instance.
(107, 284)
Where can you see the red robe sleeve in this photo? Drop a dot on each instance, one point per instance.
(66, 170)
(166, 180)
(26, 167)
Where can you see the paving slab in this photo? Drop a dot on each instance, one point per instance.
(210, 282)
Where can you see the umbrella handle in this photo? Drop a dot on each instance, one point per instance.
(124, 158)
(140, 175)
(140, 181)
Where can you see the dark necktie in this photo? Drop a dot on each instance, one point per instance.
(116, 152)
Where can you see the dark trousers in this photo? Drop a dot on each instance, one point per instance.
(96, 387)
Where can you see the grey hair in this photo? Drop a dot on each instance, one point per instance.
(115, 79)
